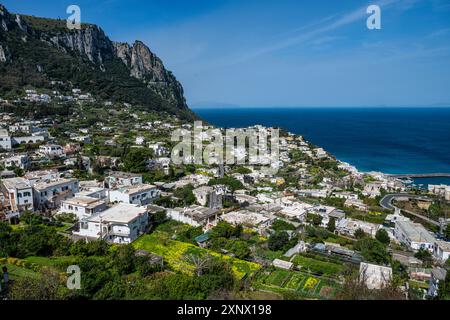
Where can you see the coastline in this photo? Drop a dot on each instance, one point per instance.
(371, 139)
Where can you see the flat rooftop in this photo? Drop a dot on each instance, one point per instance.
(121, 174)
(16, 183)
(121, 213)
(136, 188)
(52, 183)
(415, 232)
(84, 201)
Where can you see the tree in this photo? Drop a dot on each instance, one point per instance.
(231, 182)
(278, 240)
(223, 229)
(425, 256)
(135, 159)
(372, 250)
(447, 232)
(383, 236)
(360, 234)
(317, 220)
(158, 218)
(45, 287)
(331, 224)
(185, 194)
(239, 248)
(123, 259)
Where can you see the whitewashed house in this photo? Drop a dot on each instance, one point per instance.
(52, 150)
(414, 235)
(17, 161)
(50, 193)
(140, 194)
(17, 194)
(5, 140)
(119, 179)
(83, 206)
(441, 250)
(194, 215)
(202, 194)
(375, 276)
(122, 223)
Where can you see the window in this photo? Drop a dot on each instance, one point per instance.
(27, 194)
(19, 195)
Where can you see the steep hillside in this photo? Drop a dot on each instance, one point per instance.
(35, 51)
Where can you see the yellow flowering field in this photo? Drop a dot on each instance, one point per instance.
(172, 251)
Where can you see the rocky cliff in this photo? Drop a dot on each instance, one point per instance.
(90, 47)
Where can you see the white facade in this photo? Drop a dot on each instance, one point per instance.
(349, 227)
(202, 194)
(83, 206)
(18, 194)
(194, 215)
(441, 250)
(52, 150)
(18, 161)
(122, 223)
(120, 179)
(5, 140)
(414, 235)
(374, 276)
(51, 193)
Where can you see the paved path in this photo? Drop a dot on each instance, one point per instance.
(386, 203)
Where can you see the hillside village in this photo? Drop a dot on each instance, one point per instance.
(90, 171)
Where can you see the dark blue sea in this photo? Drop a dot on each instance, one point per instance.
(390, 140)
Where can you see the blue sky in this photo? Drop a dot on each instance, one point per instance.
(285, 52)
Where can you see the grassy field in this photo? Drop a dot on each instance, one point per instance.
(317, 266)
(16, 272)
(54, 262)
(173, 252)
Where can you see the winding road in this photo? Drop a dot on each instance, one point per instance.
(386, 203)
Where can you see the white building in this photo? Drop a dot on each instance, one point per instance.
(140, 194)
(414, 235)
(5, 140)
(193, 215)
(119, 179)
(50, 193)
(122, 223)
(140, 140)
(17, 161)
(442, 190)
(41, 175)
(17, 194)
(441, 250)
(349, 226)
(83, 206)
(159, 149)
(375, 276)
(202, 194)
(247, 218)
(357, 204)
(51, 150)
(346, 195)
(277, 263)
(372, 190)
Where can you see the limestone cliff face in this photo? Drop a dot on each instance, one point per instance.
(147, 67)
(90, 42)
